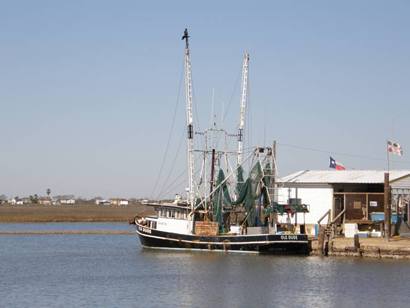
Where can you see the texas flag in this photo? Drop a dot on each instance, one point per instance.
(335, 165)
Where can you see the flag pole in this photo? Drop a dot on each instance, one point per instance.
(386, 195)
(388, 156)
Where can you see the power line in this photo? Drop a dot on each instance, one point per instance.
(303, 148)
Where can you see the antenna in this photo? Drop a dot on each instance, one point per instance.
(244, 98)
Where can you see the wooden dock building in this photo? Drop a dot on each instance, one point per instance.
(356, 196)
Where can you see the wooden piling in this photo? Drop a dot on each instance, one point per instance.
(356, 242)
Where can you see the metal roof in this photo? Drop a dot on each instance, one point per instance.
(342, 176)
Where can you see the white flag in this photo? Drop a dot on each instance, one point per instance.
(395, 148)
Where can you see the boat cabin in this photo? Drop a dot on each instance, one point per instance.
(175, 212)
(171, 218)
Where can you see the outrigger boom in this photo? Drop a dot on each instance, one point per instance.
(189, 120)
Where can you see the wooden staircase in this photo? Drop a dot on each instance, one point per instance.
(328, 231)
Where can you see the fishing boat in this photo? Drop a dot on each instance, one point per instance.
(227, 207)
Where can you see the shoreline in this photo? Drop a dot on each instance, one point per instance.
(70, 213)
(67, 232)
(376, 248)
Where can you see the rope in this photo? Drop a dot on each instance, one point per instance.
(180, 178)
(195, 105)
(220, 184)
(225, 113)
(236, 85)
(174, 183)
(173, 164)
(169, 135)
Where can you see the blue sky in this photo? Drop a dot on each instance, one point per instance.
(88, 88)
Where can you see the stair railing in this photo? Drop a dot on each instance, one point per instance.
(329, 231)
(324, 216)
(333, 224)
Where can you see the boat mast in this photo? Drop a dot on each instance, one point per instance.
(189, 118)
(244, 98)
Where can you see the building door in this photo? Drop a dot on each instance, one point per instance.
(338, 201)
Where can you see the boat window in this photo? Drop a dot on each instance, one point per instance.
(153, 224)
(172, 213)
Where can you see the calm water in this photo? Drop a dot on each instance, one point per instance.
(113, 271)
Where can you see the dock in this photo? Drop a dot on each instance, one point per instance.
(394, 248)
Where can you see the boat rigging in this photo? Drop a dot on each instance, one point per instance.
(223, 210)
